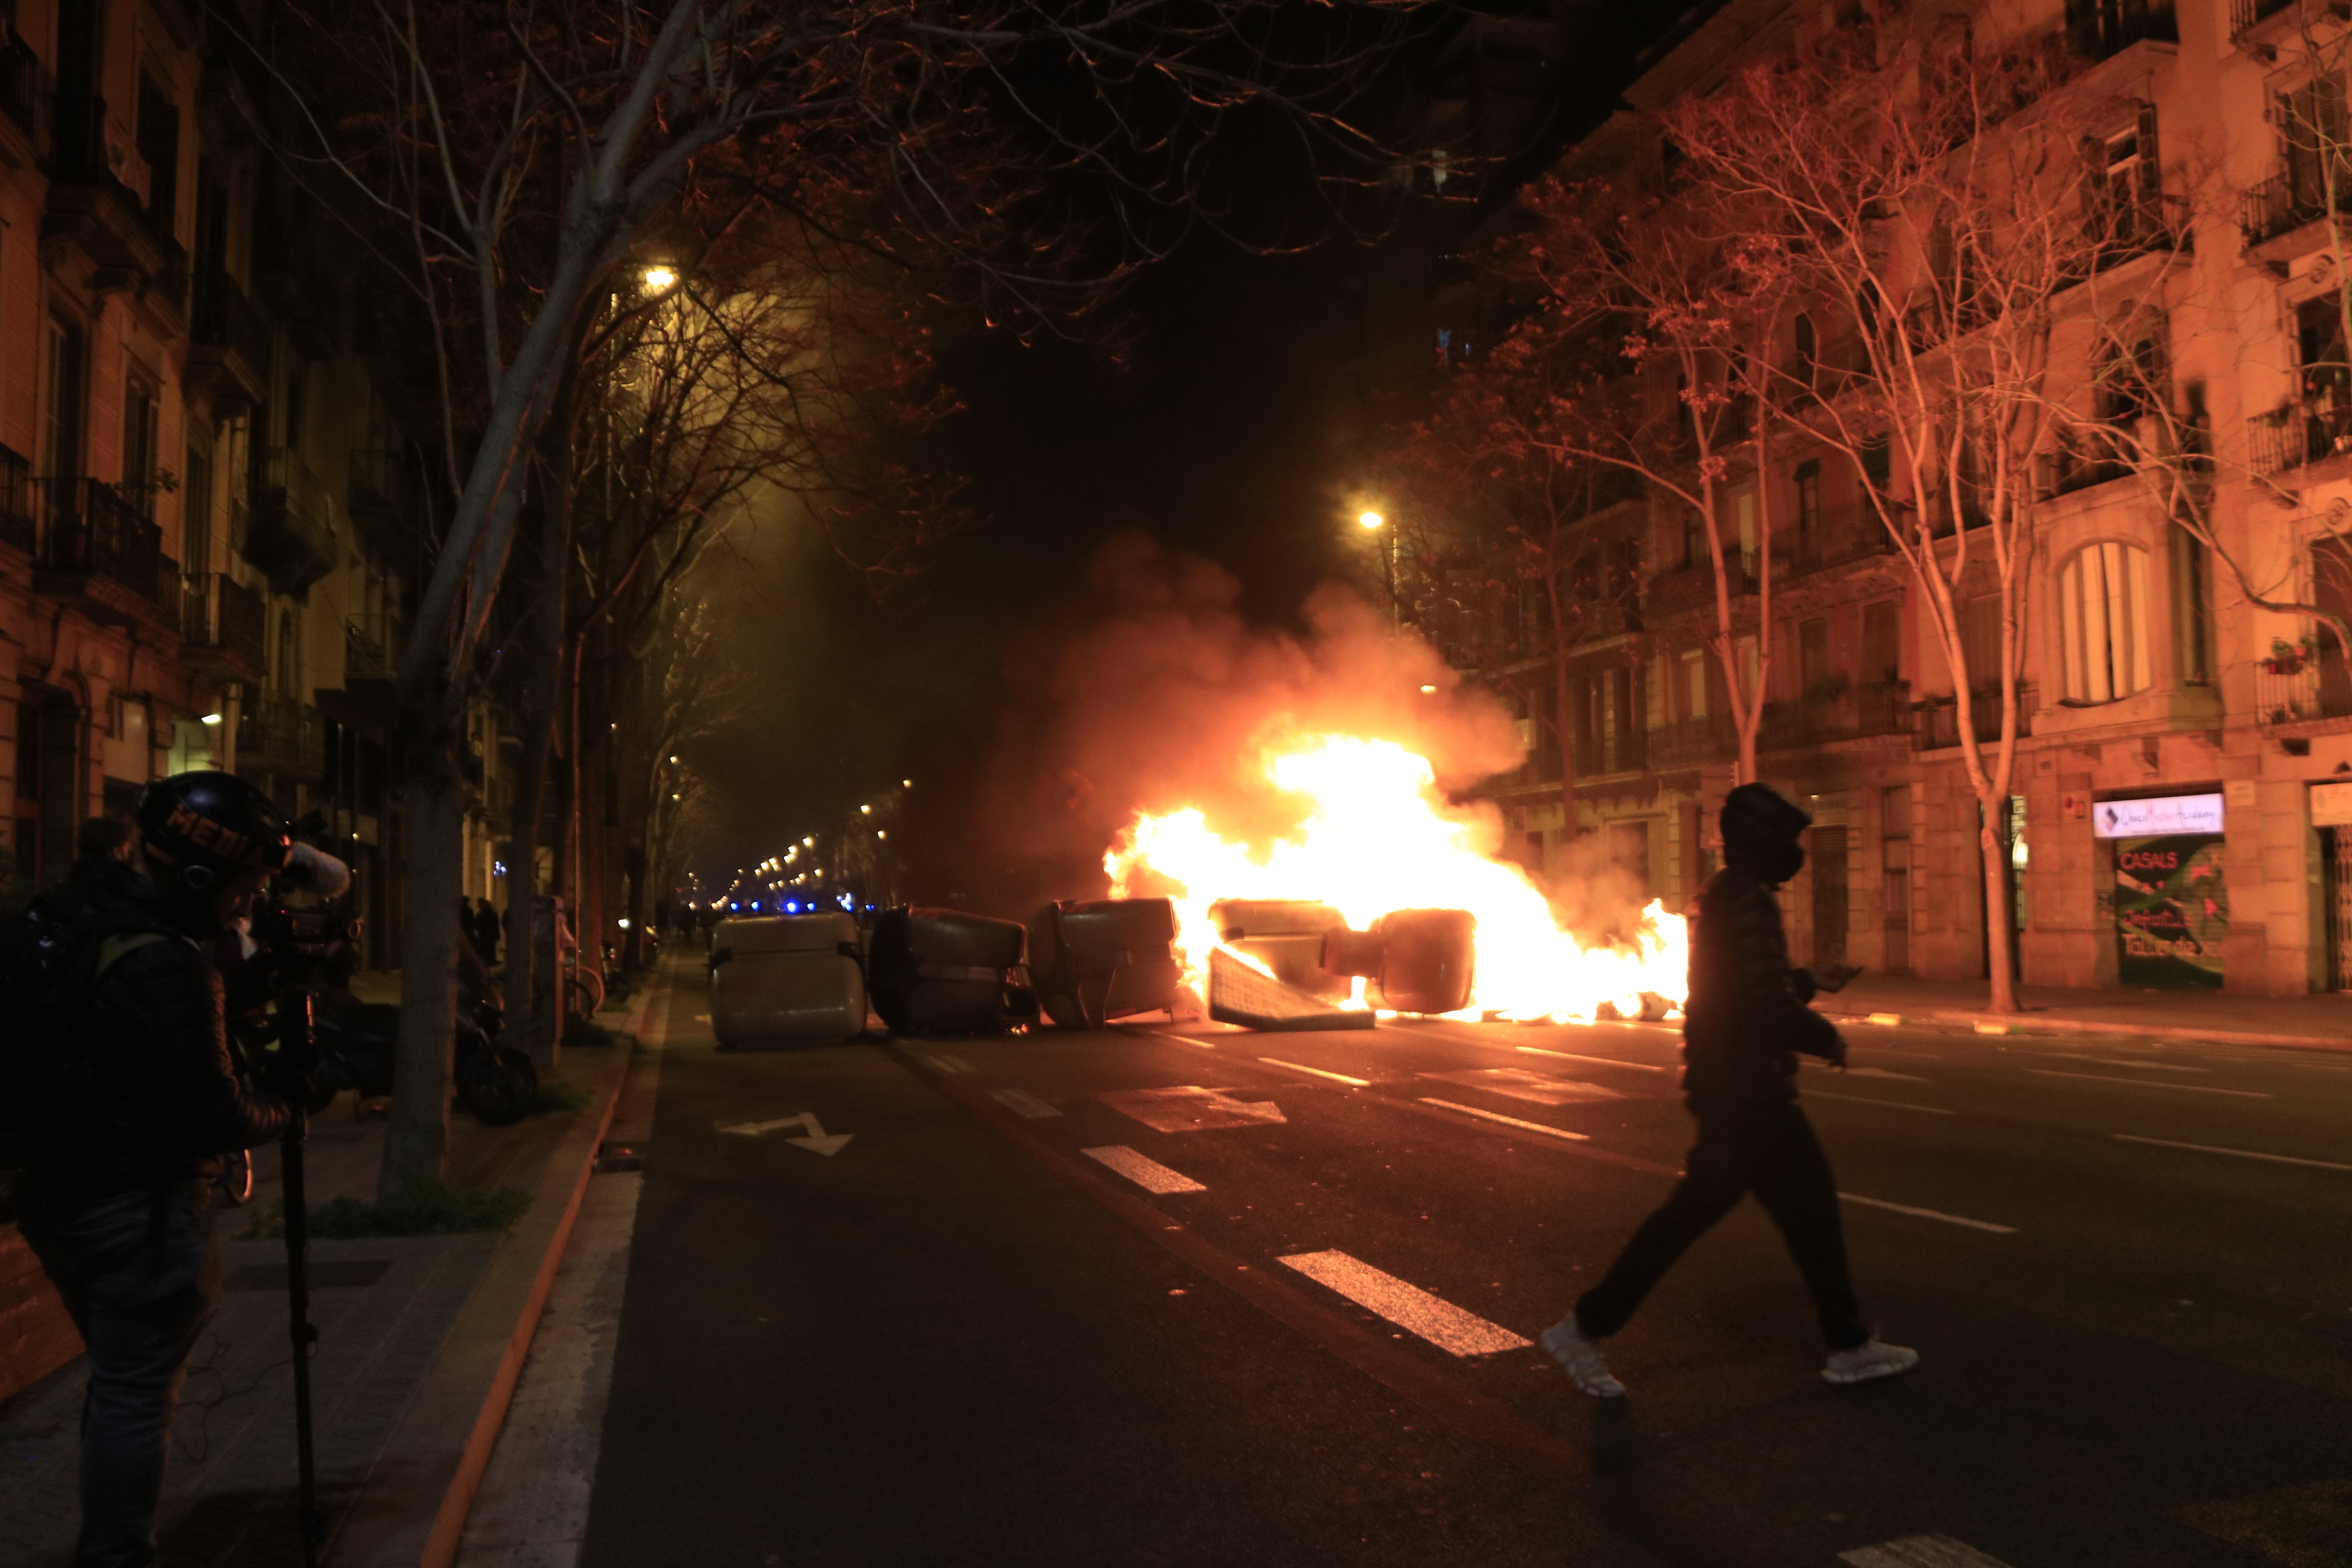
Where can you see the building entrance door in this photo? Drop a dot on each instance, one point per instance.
(2336, 867)
(1829, 895)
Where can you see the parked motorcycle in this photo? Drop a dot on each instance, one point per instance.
(359, 1044)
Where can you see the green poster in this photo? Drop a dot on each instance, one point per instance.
(2173, 909)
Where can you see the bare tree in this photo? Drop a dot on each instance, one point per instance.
(508, 161)
(1947, 203)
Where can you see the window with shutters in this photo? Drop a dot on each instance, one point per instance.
(2315, 137)
(2125, 189)
(2103, 622)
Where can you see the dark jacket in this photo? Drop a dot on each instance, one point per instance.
(164, 1103)
(1747, 1018)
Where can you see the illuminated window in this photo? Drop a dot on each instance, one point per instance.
(2103, 622)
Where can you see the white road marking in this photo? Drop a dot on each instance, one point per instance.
(1509, 1121)
(2111, 1062)
(1881, 1072)
(1188, 1040)
(1920, 1551)
(1142, 1170)
(1597, 1061)
(1021, 1103)
(1189, 1108)
(813, 1137)
(1408, 1307)
(1984, 1224)
(2152, 1083)
(946, 1063)
(1892, 1104)
(1318, 1072)
(2241, 1154)
(1518, 1083)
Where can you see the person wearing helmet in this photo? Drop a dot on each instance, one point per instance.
(1744, 1025)
(116, 1198)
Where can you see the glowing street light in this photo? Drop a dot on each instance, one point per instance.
(659, 278)
(1369, 519)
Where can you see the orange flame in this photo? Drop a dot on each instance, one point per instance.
(1378, 836)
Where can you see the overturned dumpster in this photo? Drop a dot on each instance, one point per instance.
(1094, 960)
(944, 972)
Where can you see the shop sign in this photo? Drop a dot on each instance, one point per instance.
(2331, 805)
(2164, 814)
(2172, 908)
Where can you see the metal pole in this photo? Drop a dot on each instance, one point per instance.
(1388, 559)
(296, 1038)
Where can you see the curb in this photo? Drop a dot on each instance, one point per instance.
(449, 1521)
(2034, 1023)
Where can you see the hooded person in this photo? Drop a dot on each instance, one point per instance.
(1744, 1023)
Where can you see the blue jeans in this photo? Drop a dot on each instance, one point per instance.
(139, 1274)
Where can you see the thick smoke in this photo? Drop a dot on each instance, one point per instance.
(1162, 697)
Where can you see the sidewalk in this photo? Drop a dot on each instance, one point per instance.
(390, 1314)
(2321, 1022)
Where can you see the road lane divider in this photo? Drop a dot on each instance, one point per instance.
(1487, 1421)
(2234, 1154)
(1408, 1305)
(1142, 1170)
(948, 1063)
(1915, 1213)
(1511, 1120)
(1021, 1103)
(1318, 1072)
(1883, 1072)
(1597, 1061)
(1890, 1104)
(2153, 1083)
(2111, 1062)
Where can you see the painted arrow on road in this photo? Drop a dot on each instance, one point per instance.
(814, 1138)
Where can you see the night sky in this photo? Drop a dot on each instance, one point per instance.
(1230, 427)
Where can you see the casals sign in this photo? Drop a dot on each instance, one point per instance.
(2164, 814)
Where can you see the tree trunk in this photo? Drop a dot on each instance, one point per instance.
(2001, 917)
(542, 667)
(416, 1140)
(1563, 694)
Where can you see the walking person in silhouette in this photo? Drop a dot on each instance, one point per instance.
(1744, 1022)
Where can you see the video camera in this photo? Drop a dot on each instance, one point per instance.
(296, 926)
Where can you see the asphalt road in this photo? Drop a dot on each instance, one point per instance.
(976, 1333)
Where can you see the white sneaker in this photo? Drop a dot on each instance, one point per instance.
(1581, 1359)
(1874, 1358)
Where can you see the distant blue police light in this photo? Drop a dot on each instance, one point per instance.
(755, 906)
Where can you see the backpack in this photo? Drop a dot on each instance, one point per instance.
(50, 961)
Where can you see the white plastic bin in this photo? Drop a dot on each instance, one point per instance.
(785, 980)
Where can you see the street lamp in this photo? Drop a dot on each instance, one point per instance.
(1372, 522)
(659, 278)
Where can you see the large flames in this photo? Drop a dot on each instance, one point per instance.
(1378, 836)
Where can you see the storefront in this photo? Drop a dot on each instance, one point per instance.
(2172, 902)
(2331, 814)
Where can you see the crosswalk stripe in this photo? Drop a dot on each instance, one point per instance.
(1408, 1307)
(1021, 1103)
(1143, 1170)
(1920, 1551)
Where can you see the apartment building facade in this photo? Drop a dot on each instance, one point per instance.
(210, 512)
(2182, 809)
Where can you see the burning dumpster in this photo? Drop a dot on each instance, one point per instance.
(786, 980)
(944, 972)
(1419, 961)
(1100, 959)
(1286, 936)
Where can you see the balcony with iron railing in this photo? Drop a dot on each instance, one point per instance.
(2096, 29)
(90, 208)
(2302, 430)
(20, 513)
(2245, 13)
(96, 545)
(1692, 587)
(2297, 688)
(1835, 539)
(372, 647)
(24, 93)
(221, 625)
(290, 525)
(1939, 724)
(229, 342)
(2290, 199)
(1691, 742)
(1620, 751)
(279, 736)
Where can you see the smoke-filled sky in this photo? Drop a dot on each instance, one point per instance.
(1155, 538)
